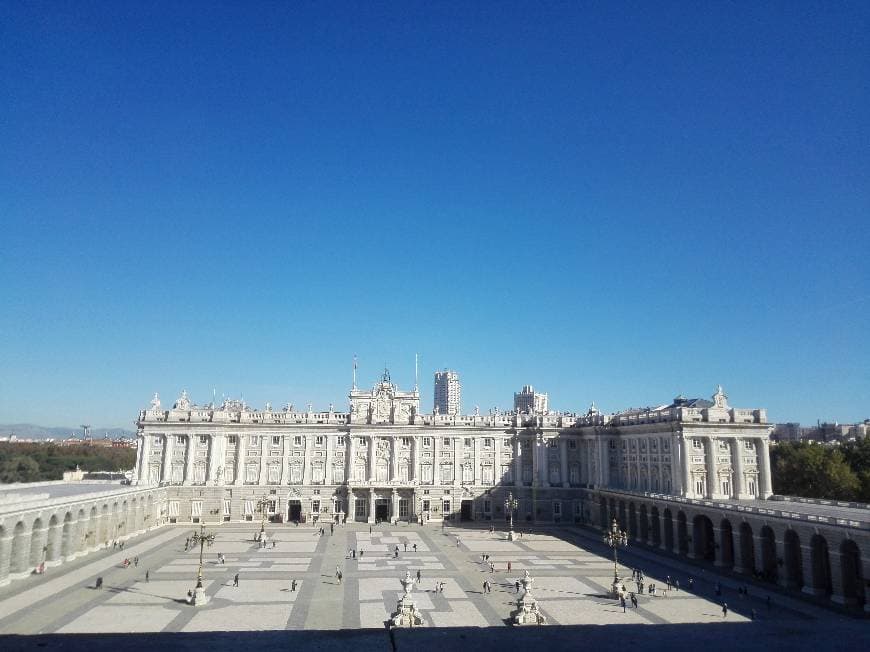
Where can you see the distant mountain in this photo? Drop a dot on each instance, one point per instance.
(31, 431)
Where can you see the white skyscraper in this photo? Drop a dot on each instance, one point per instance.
(528, 400)
(448, 392)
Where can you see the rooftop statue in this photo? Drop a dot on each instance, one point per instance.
(155, 402)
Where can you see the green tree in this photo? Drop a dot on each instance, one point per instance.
(19, 468)
(813, 471)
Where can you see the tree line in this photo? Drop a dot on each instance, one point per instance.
(820, 471)
(26, 462)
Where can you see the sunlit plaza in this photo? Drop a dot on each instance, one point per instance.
(571, 568)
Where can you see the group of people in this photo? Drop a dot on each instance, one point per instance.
(126, 562)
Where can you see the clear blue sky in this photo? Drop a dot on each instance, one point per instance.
(613, 202)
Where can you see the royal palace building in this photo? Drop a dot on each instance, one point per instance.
(384, 460)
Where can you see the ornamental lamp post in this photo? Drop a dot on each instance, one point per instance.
(511, 504)
(615, 538)
(199, 597)
(263, 505)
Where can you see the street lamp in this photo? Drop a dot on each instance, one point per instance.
(615, 538)
(201, 538)
(511, 504)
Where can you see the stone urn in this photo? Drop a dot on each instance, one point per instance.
(527, 611)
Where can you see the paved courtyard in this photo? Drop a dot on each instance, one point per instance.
(570, 567)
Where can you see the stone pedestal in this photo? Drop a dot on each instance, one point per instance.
(511, 535)
(616, 589)
(199, 597)
(527, 611)
(406, 614)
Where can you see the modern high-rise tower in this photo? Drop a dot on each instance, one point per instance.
(531, 401)
(448, 392)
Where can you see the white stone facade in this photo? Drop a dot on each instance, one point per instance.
(384, 460)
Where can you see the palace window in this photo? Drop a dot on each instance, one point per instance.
(699, 487)
(231, 440)
(195, 510)
(315, 506)
(276, 441)
(468, 442)
(572, 444)
(341, 440)
(726, 487)
(253, 440)
(507, 442)
(748, 445)
(552, 443)
(227, 506)
(447, 441)
(427, 442)
(696, 444)
(487, 442)
(406, 442)
(750, 487)
(318, 441)
(179, 439)
(362, 441)
(612, 445)
(203, 440)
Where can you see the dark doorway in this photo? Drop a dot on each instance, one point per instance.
(294, 510)
(382, 510)
(466, 508)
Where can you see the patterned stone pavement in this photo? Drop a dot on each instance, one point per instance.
(570, 567)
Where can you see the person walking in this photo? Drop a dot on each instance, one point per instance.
(622, 602)
(634, 600)
(419, 576)
(415, 547)
(457, 542)
(668, 582)
(340, 576)
(147, 576)
(509, 567)
(517, 586)
(99, 583)
(676, 585)
(724, 609)
(136, 561)
(332, 528)
(406, 546)
(236, 580)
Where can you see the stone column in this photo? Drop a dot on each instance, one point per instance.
(458, 459)
(710, 465)
(436, 463)
(5, 557)
(308, 441)
(518, 461)
(371, 505)
(545, 462)
(765, 480)
(497, 478)
(685, 468)
(264, 459)
(372, 454)
(145, 453)
(241, 451)
(350, 508)
(418, 460)
(394, 459)
(394, 505)
(328, 475)
(188, 460)
(477, 461)
(563, 458)
(737, 490)
(166, 471)
(838, 594)
(349, 461)
(604, 472)
(216, 457)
